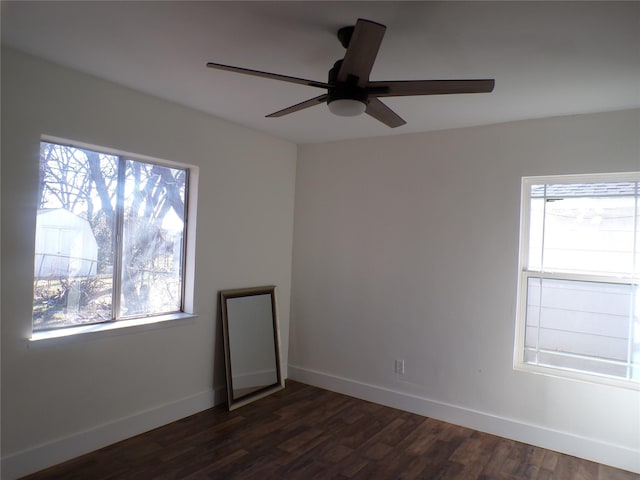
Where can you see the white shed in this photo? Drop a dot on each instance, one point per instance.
(65, 245)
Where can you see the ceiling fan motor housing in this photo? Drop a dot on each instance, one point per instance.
(348, 90)
(344, 35)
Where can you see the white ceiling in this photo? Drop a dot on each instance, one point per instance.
(548, 58)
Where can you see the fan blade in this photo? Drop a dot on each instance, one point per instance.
(273, 76)
(384, 114)
(299, 106)
(362, 51)
(429, 87)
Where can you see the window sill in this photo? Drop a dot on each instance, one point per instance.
(108, 329)
(578, 376)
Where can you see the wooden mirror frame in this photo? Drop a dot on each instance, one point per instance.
(225, 295)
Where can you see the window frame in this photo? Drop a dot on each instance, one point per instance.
(524, 274)
(140, 321)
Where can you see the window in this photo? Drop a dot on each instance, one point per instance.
(579, 292)
(110, 238)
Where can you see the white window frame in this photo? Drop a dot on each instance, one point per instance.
(111, 328)
(524, 274)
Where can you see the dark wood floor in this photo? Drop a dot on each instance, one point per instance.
(307, 433)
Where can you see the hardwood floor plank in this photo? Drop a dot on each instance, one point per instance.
(474, 453)
(307, 433)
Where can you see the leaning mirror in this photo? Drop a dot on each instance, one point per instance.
(251, 344)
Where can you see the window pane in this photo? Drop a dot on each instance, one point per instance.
(636, 271)
(153, 238)
(536, 224)
(585, 326)
(634, 344)
(534, 286)
(74, 237)
(589, 234)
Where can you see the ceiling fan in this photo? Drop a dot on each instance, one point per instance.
(349, 91)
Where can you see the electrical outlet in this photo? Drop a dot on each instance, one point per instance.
(399, 367)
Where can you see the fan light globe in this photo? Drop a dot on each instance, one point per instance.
(346, 107)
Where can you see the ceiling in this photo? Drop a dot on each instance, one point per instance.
(548, 58)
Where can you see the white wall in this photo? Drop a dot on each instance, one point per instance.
(406, 247)
(61, 399)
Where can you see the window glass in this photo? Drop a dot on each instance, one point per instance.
(636, 260)
(74, 237)
(574, 228)
(536, 232)
(579, 325)
(154, 209)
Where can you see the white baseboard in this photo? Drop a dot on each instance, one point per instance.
(51, 453)
(563, 442)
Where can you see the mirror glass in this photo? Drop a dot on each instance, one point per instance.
(251, 342)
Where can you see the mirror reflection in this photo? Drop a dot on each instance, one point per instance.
(251, 339)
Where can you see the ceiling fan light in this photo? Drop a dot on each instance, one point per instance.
(346, 107)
